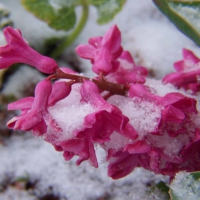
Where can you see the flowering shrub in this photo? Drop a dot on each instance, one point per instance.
(138, 121)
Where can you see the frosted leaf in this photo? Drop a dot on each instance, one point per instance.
(191, 14)
(185, 187)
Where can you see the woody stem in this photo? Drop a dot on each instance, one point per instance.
(102, 84)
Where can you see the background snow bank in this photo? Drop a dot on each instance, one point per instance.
(22, 156)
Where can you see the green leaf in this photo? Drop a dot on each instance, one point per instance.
(172, 195)
(196, 175)
(57, 16)
(107, 9)
(2, 72)
(162, 186)
(185, 14)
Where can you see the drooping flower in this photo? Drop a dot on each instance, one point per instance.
(188, 72)
(107, 119)
(141, 128)
(33, 117)
(18, 51)
(162, 137)
(35, 109)
(103, 51)
(82, 147)
(97, 126)
(175, 106)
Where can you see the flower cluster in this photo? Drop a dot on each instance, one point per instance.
(188, 73)
(137, 121)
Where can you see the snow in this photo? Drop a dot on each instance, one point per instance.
(24, 76)
(29, 155)
(154, 43)
(185, 187)
(143, 115)
(172, 145)
(66, 115)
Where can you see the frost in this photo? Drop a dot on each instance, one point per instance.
(70, 113)
(185, 187)
(171, 145)
(155, 194)
(109, 7)
(191, 14)
(143, 115)
(116, 142)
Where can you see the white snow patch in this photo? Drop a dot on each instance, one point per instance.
(143, 115)
(171, 145)
(70, 112)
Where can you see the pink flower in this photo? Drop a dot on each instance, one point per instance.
(127, 71)
(103, 51)
(33, 118)
(190, 160)
(81, 147)
(123, 164)
(101, 124)
(175, 105)
(35, 109)
(188, 71)
(18, 51)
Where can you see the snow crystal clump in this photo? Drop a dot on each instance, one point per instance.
(69, 113)
(143, 115)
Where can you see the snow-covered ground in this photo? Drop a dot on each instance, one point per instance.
(154, 43)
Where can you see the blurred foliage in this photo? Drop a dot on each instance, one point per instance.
(58, 18)
(184, 14)
(60, 14)
(107, 9)
(4, 18)
(2, 72)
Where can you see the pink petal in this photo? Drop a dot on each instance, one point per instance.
(25, 103)
(172, 114)
(28, 121)
(127, 56)
(137, 148)
(42, 93)
(60, 91)
(123, 166)
(189, 55)
(112, 39)
(67, 70)
(86, 51)
(95, 41)
(102, 65)
(14, 38)
(179, 66)
(176, 79)
(90, 93)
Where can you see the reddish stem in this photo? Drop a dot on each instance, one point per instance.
(102, 84)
